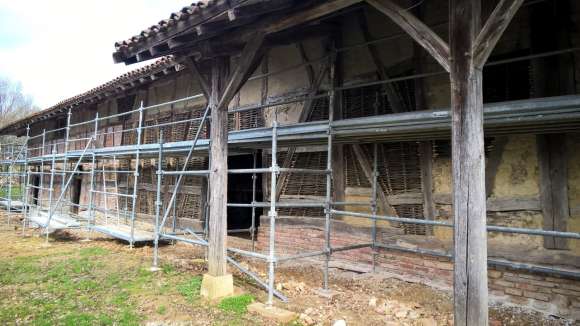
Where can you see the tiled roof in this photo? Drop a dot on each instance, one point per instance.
(162, 66)
(195, 10)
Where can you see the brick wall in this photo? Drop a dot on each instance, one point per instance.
(543, 292)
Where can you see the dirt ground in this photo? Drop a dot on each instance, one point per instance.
(104, 282)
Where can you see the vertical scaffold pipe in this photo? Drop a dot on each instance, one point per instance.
(158, 203)
(51, 190)
(374, 204)
(327, 208)
(10, 179)
(65, 151)
(39, 200)
(136, 175)
(273, 213)
(253, 226)
(90, 216)
(27, 181)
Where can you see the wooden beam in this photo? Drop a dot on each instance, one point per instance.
(367, 169)
(553, 186)
(469, 206)
(420, 32)
(220, 97)
(218, 176)
(195, 71)
(240, 75)
(309, 15)
(493, 29)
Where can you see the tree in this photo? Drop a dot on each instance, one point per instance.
(14, 104)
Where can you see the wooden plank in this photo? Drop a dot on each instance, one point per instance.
(553, 186)
(469, 207)
(420, 32)
(493, 29)
(367, 168)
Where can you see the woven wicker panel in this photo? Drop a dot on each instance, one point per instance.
(150, 134)
(411, 211)
(299, 184)
(399, 167)
(354, 175)
(249, 119)
(319, 110)
(194, 125)
(129, 137)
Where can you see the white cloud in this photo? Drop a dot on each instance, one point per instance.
(61, 48)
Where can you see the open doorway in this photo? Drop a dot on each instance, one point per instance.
(76, 193)
(36, 188)
(240, 191)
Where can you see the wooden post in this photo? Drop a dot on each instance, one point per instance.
(217, 283)
(470, 236)
(218, 176)
(553, 186)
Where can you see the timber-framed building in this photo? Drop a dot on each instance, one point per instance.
(339, 131)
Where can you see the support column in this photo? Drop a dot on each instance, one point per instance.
(470, 237)
(217, 283)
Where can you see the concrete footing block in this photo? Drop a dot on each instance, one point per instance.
(273, 313)
(215, 287)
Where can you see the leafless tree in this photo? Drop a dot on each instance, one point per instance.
(14, 104)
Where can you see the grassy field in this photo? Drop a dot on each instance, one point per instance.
(72, 283)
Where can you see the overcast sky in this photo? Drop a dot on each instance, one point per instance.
(60, 48)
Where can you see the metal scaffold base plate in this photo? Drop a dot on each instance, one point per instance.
(123, 232)
(57, 222)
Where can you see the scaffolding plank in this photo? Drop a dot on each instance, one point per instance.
(123, 232)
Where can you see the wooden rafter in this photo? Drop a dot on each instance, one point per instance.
(416, 29)
(240, 75)
(493, 29)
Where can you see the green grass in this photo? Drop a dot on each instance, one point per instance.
(68, 284)
(69, 291)
(16, 192)
(190, 289)
(238, 304)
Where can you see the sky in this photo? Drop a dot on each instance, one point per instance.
(60, 48)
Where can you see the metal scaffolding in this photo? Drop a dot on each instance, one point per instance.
(50, 206)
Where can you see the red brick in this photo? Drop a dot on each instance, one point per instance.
(512, 291)
(537, 296)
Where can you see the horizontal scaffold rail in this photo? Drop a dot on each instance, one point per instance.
(544, 115)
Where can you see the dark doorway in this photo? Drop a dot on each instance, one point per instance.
(35, 188)
(76, 193)
(240, 191)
